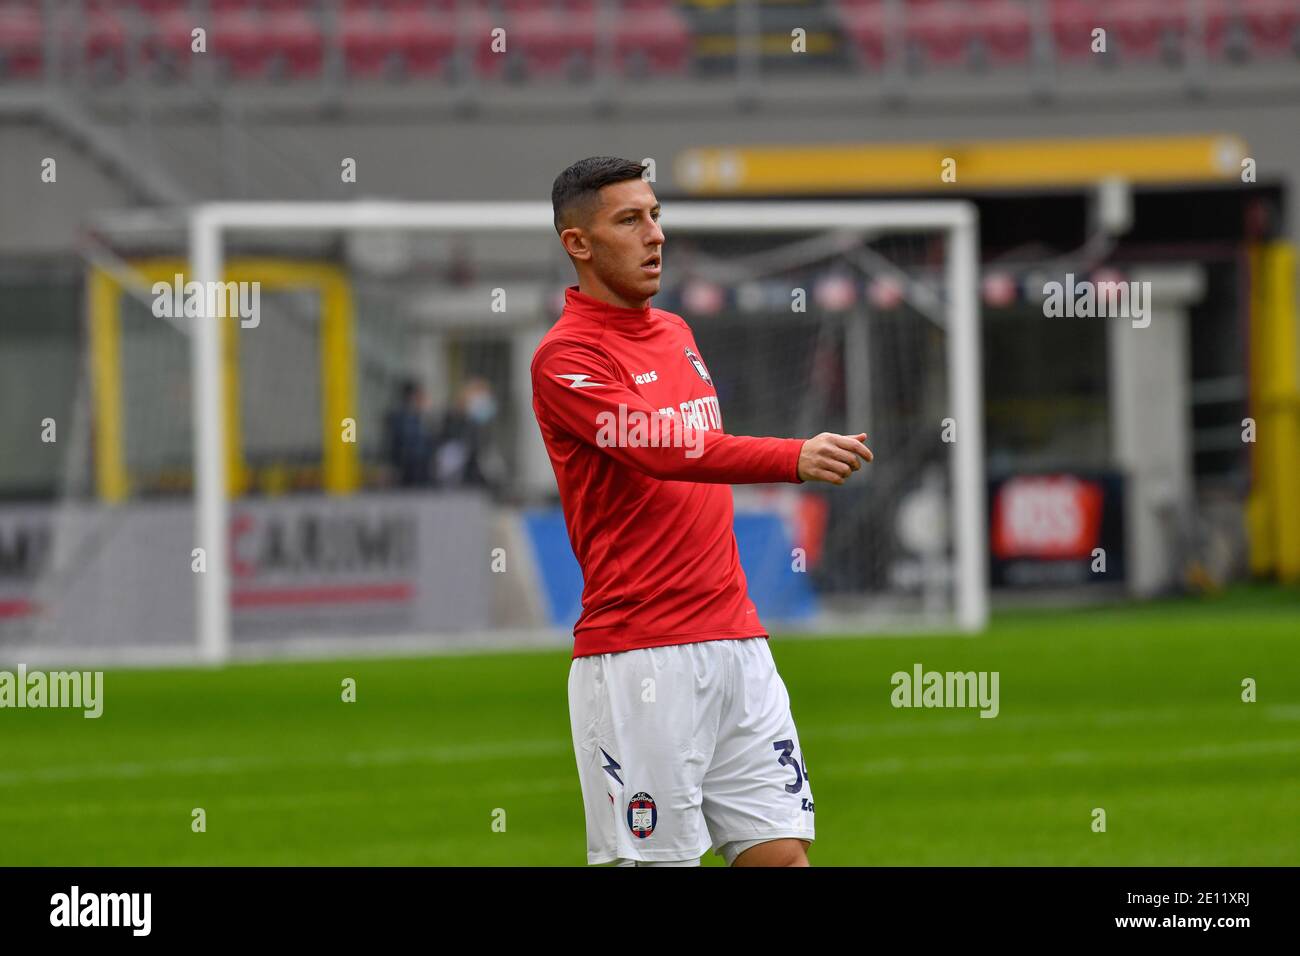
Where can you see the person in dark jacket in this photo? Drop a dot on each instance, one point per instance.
(408, 437)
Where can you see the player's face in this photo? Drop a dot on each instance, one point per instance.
(627, 243)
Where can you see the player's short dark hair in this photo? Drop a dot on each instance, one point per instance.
(576, 191)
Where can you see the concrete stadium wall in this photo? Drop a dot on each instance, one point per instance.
(517, 158)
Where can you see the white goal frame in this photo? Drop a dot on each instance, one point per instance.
(957, 220)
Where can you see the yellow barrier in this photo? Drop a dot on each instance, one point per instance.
(1273, 507)
(340, 471)
(996, 164)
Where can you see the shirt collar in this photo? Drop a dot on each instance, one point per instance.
(619, 317)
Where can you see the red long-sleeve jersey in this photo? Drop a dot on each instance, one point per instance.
(632, 424)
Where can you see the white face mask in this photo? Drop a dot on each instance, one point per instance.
(481, 408)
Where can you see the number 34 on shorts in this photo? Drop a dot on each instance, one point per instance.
(786, 750)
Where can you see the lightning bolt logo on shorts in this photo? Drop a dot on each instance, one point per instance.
(612, 767)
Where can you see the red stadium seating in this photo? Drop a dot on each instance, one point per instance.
(104, 40)
(864, 25)
(294, 36)
(516, 7)
(368, 40)
(1272, 25)
(170, 39)
(254, 44)
(658, 40)
(422, 43)
(1004, 29)
(259, 39)
(939, 30)
(550, 42)
(1072, 23)
(1218, 24)
(417, 6)
(163, 7)
(1143, 29)
(21, 41)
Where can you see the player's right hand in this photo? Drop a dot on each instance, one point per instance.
(832, 458)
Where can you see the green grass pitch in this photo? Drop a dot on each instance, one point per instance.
(1134, 709)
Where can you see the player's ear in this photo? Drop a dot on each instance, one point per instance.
(576, 243)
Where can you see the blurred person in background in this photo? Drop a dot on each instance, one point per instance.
(466, 455)
(408, 437)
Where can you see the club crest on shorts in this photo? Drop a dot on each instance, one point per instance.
(699, 366)
(642, 815)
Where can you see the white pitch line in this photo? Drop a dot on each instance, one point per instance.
(203, 766)
(1007, 721)
(229, 765)
(305, 800)
(895, 765)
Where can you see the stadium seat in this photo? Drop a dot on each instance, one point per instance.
(938, 32)
(163, 7)
(104, 41)
(516, 7)
(1252, 29)
(284, 43)
(1072, 23)
(262, 6)
(1147, 29)
(368, 40)
(1003, 31)
(1273, 26)
(419, 43)
(1221, 31)
(951, 32)
(21, 41)
(863, 23)
(235, 38)
(425, 6)
(658, 42)
(478, 37)
(169, 40)
(295, 40)
(551, 42)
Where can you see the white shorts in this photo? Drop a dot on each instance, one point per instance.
(686, 747)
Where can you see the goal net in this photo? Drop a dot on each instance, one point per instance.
(309, 426)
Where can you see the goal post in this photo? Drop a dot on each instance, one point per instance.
(210, 226)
